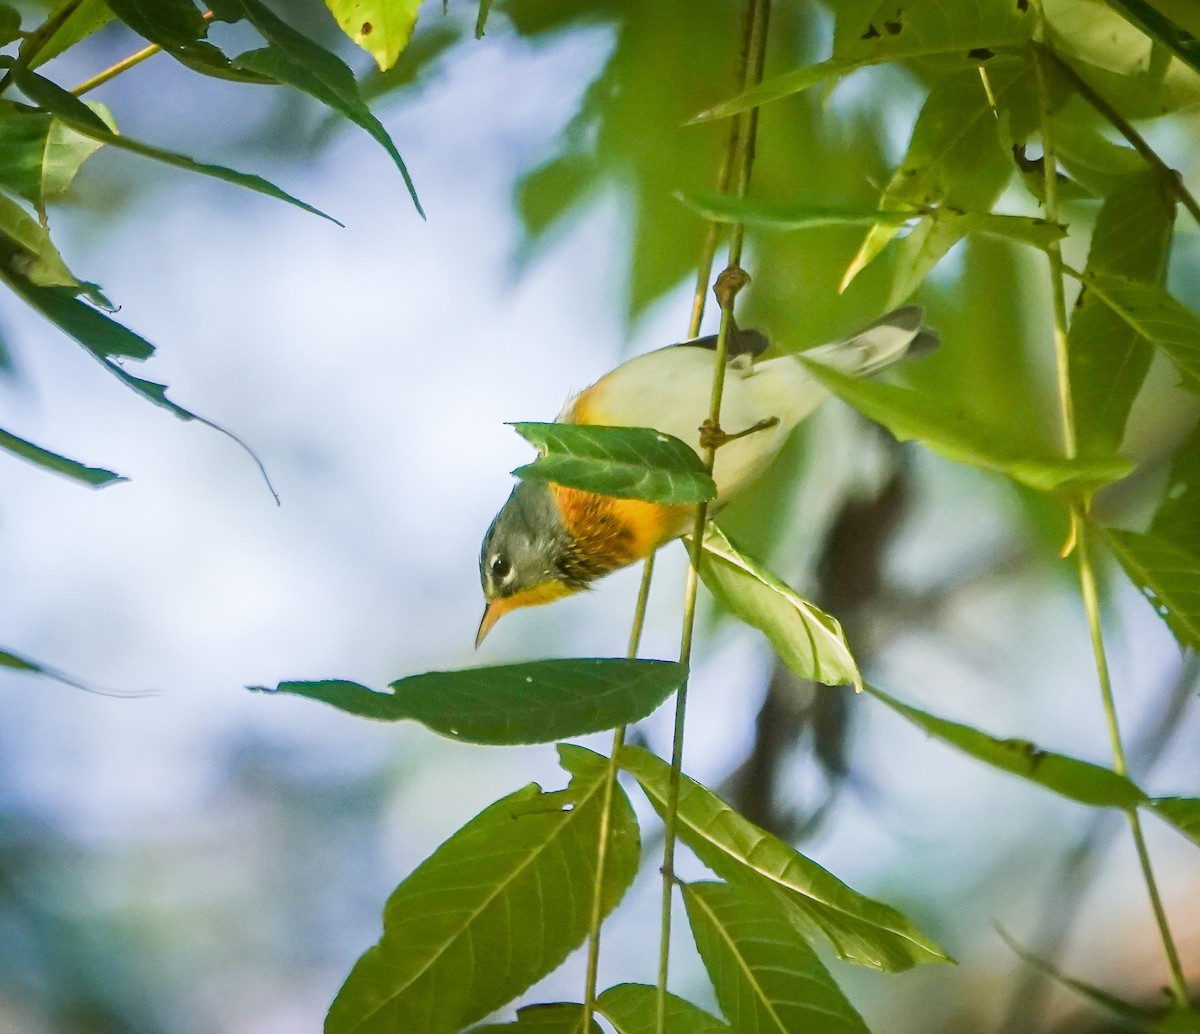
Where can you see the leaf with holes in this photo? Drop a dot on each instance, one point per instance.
(381, 27)
(97, 477)
(766, 976)
(861, 930)
(494, 909)
(625, 462)
(1077, 780)
(534, 702)
(1168, 576)
(807, 640)
(633, 1009)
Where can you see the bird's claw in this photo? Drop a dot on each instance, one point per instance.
(712, 437)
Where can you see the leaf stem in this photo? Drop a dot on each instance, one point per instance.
(134, 59)
(729, 283)
(1043, 55)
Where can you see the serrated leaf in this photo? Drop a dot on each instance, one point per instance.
(35, 255)
(494, 909)
(916, 416)
(807, 640)
(534, 702)
(1069, 777)
(97, 477)
(861, 930)
(1108, 357)
(625, 462)
(1181, 812)
(1168, 576)
(556, 1018)
(294, 59)
(633, 1009)
(69, 22)
(381, 27)
(766, 976)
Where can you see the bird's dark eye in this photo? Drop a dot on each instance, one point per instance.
(500, 568)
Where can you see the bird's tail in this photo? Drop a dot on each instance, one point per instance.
(898, 335)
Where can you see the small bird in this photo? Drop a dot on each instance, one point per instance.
(549, 541)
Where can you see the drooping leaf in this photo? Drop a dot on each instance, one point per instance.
(633, 1009)
(485, 7)
(381, 27)
(626, 462)
(766, 976)
(1108, 357)
(861, 930)
(1182, 812)
(294, 59)
(495, 908)
(29, 249)
(69, 22)
(912, 415)
(807, 640)
(558, 1018)
(18, 662)
(1070, 777)
(97, 477)
(534, 702)
(1178, 516)
(1168, 576)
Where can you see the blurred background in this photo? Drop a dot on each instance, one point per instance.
(210, 859)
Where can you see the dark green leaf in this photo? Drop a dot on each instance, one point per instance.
(633, 1009)
(766, 976)
(10, 24)
(535, 702)
(18, 663)
(938, 424)
(1159, 27)
(861, 930)
(1178, 517)
(97, 477)
(69, 22)
(294, 59)
(1168, 576)
(1077, 780)
(1182, 812)
(559, 1018)
(1108, 357)
(807, 640)
(381, 27)
(626, 462)
(497, 906)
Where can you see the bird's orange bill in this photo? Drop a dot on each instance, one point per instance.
(547, 592)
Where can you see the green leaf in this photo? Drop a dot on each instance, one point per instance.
(65, 152)
(39, 156)
(1159, 27)
(783, 215)
(558, 1018)
(807, 640)
(1181, 1020)
(1178, 514)
(17, 662)
(294, 59)
(10, 24)
(1168, 576)
(494, 909)
(69, 22)
(1181, 812)
(861, 930)
(97, 477)
(381, 27)
(633, 1009)
(534, 702)
(937, 424)
(485, 7)
(1108, 357)
(35, 255)
(766, 976)
(1071, 778)
(898, 32)
(625, 462)
(1153, 313)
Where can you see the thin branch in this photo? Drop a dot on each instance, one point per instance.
(134, 59)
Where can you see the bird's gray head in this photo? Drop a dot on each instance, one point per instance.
(520, 563)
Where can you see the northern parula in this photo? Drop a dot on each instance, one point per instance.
(549, 541)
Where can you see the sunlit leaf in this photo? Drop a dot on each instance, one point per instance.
(1072, 778)
(1168, 576)
(97, 477)
(69, 22)
(1182, 812)
(534, 702)
(861, 930)
(633, 1009)
(626, 462)
(39, 155)
(294, 59)
(807, 640)
(559, 1018)
(381, 27)
(32, 253)
(766, 976)
(495, 908)
(65, 152)
(1108, 357)
(938, 424)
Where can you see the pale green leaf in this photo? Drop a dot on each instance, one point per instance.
(626, 462)
(766, 976)
(533, 702)
(633, 1009)
(97, 477)
(807, 640)
(35, 255)
(938, 424)
(1168, 576)
(861, 930)
(782, 215)
(495, 908)
(381, 27)
(67, 24)
(65, 152)
(1155, 24)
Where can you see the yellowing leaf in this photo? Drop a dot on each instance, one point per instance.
(381, 27)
